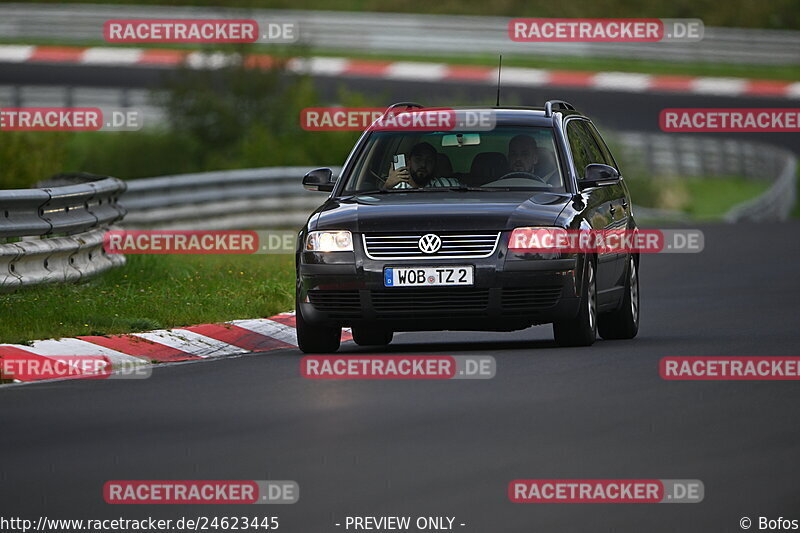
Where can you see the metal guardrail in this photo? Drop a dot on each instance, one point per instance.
(777, 202)
(60, 210)
(406, 33)
(666, 156)
(58, 232)
(60, 259)
(232, 199)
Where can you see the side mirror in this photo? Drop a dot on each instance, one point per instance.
(597, 175)
(320, 179)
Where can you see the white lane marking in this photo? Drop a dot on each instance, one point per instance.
(719, 86)
(270, 328)
(521, 76)
(322, 66)
(211, 61)
(16, 53)
(793, 90)
(407, 70)
(621, 81)
(111, 56)
(190, 342)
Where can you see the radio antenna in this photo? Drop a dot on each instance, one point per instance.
(499, 68)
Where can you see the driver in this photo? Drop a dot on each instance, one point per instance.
(420, 172)
(522, 154)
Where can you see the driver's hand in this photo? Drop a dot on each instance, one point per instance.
(396, 176)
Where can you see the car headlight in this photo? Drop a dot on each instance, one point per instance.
(545, 242)
(535, 239)
(329, 241)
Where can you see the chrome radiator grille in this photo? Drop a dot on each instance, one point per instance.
(453, 245)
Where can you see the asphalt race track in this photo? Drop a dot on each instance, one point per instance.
(613, 110)
(449, 448)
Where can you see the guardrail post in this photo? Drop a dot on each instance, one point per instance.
(9, 278)
(17, 96)
(69, 98)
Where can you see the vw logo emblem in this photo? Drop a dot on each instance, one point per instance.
(430, 243)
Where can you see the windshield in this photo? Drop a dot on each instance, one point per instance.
(501, 159)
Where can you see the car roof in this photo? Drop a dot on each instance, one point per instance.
(517, 116)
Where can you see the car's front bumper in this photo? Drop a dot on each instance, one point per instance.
(347, 289)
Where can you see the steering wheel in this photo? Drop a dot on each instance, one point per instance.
(520, 174)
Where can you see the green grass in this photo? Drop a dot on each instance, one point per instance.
(713, 197)
(151, 292)
(702, 198)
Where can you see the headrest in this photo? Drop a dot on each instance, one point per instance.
(444, 168)
(488, 166)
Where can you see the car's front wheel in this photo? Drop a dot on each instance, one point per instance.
(581, 330)
(624, 322)
(316, 339)
(371, 336)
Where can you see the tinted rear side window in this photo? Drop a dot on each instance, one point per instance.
(608, 159)
(585, 149)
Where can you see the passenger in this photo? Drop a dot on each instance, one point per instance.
(420, 171)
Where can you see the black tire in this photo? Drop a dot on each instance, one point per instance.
(372, 336)
(624, 322)
(316, 339)
(581, 330)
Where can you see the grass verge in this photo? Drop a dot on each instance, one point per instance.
(706, 198)
(152, 292)
(713, 197)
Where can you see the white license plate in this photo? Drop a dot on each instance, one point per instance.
(427, 276)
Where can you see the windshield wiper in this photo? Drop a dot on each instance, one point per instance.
(464, 188)
(460, 188)
(372, 191)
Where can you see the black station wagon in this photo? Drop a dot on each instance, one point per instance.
(415, 234)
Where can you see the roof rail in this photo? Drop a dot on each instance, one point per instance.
(407, 105)
(550, 104)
